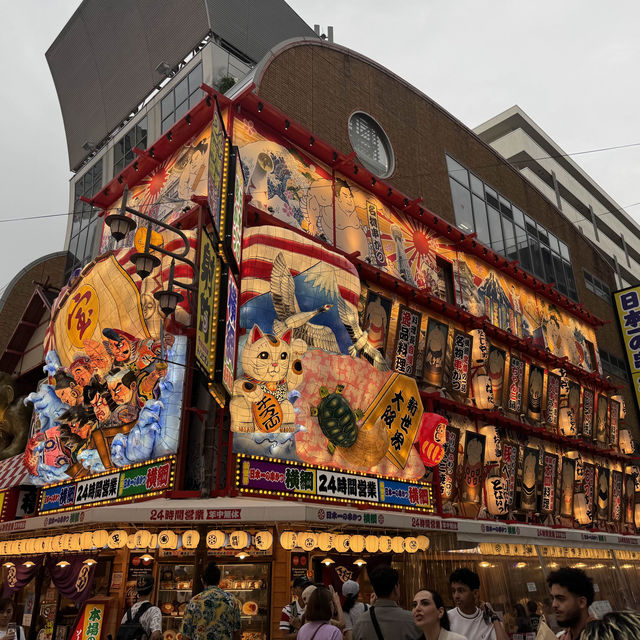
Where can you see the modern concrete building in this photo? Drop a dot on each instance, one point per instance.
(579, 199)
(130, 86)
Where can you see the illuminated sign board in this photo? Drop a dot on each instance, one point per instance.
(147, 479)
(627, 303)
(277, 477)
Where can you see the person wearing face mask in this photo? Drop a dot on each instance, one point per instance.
(431, 617)
(8, 629)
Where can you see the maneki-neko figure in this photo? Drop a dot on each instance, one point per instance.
(272, 368)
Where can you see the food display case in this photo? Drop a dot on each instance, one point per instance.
(175, 586)
(249, 583)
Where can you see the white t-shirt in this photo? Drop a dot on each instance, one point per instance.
(473, 627)
(353, 614)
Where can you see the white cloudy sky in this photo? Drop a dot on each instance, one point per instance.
(572, 65)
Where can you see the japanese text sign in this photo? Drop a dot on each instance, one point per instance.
(627, 302)
(510, 453)
(462, 346)
(283, 478)
(89, 625)
(207, 306)
(230, 335)
(407, 336)
(399, 407)
(550, 469)
(449, 463)
(588, 402)
(516, 385)
(216, 161)
(553, 399)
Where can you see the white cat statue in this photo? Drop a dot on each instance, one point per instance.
(272, 367)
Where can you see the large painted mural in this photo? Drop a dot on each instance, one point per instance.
(112, 394)
(292, 186)
(164, 193)
(311, 386)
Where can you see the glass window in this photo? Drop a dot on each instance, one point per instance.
(476, 186)
(536, 258)
(371, 144)
(561, 283)
(181, 91)
(509, 231)
(457, 171)
(167, 105)
(518, 216)
(462, 206)
(505, 208)
(482, 223)
(510, 248)
(123, 150)
(495, 229)
(195, 79)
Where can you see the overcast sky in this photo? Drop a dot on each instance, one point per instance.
(572, 65)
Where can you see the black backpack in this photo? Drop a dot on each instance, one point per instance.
(131, 629)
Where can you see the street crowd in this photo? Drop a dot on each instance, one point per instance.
(318, 612)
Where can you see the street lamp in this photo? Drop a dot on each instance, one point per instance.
(145, 262)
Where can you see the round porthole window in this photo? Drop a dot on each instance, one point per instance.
(371, 144)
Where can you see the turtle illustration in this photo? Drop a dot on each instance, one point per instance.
(337, 419)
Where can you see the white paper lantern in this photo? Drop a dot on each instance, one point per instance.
(288, 540)
(497, 496)
(357, 543)
(580, 509)
(190, 539)
(100, 538)
(216, 539)
(325, 541)
(372, 544)
(567, 421)
(385, 544)
(239, 539)
(577, 456)
(263, 540)
(117, 539)
(341, 543)
(493, 447)
(423, 542)
(480, 351)
(167, 539)
(411, 544)
(307, 540)
(397, 544)
(141, 538)
(482, 390)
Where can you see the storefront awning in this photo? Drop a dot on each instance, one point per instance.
(13, 472)
(214, 512)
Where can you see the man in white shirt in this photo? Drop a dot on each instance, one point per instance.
(466, 618)
(151, 619)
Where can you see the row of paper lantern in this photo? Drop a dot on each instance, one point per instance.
(95, 540)
(262, 540)
(343, 543)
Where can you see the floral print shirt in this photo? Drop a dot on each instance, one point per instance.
(213, 614)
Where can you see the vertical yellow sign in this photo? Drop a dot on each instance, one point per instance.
(627, 303)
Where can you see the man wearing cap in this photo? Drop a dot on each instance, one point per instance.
(151, 619)
(291, 617)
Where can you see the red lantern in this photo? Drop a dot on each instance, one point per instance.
(431, 438)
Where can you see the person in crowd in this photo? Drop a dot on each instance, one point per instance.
(318, 613)
(351, 607)
(337, 615)
(291, 616)
(572, 592)
(534, 617)
(523, 624)
(213, 614)
(151, 618)
(8, 629)
(615, 625)
(470, 621)
(385, 620)
(431, 617)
